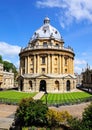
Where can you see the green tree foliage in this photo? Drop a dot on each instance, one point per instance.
(74, 123)
(9, 66)
(31, 112)
(1, 60)
(87, 116)
(82, 124)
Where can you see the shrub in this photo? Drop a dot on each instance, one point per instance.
(87, 116)
(56, 118)
(31, 112)
(82, 124)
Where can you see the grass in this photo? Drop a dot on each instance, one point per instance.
(11, 96)
(66, 98)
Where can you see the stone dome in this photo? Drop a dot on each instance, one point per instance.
(46, 31)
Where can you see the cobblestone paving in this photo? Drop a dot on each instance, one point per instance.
(6, 115)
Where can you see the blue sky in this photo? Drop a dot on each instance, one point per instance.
(20, 18)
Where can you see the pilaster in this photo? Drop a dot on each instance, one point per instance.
(34, 63)
(48, 65)
(25, 65)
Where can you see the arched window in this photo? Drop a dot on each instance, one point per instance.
(30, 82)
(68, 85)
(56, 85)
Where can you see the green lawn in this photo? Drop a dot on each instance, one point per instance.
(52, 98)
(14, 96)
(66, 98)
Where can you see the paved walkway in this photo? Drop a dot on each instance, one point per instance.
(38, 95)
(6, 116)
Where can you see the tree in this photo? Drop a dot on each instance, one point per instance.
(87, 116)
(82, 124)
(10, 66)
(1, 60)
(31, 112)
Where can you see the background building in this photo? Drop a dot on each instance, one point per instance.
(6, 79)
(45, 64)
(87, 78)
(79, 79)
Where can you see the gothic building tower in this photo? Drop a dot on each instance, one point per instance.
(45, 64)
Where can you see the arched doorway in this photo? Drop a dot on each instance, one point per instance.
(42, 85)
(68, 85)
(30, 82)
(56, 85)
(21, 85)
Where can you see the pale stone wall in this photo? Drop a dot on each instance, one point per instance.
(6, 78)
(1, 74)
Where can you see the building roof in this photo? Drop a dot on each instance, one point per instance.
(46, 31)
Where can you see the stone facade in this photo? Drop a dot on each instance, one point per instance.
(45, 64)
(87, 78)
(6, 79)
(79, 79)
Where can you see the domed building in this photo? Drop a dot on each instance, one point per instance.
(45, 64)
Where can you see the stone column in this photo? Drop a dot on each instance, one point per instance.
(21, 72)
(62, 64)
(72, 66)
(25, 65)
(34, 63)
(38, 63)
(28, 71)
(21, 67)
(52, 63)
(59, 64)
(69, 65)
(71, 69)
(48, 65)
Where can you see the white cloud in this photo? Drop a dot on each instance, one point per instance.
(79, 65)
(50, 4)
(7, 49)
(80, 62)
(69, 10)
(77, 69)
(10, 53)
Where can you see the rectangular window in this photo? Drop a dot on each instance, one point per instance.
(65, 61)
(44, 44)
(31, 60)
(43, 60)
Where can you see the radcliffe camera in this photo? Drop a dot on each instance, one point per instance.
(46, 65)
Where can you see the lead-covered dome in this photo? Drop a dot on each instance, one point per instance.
(47, 31)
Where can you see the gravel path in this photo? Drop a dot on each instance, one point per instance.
(74, 110)
(7, 112)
